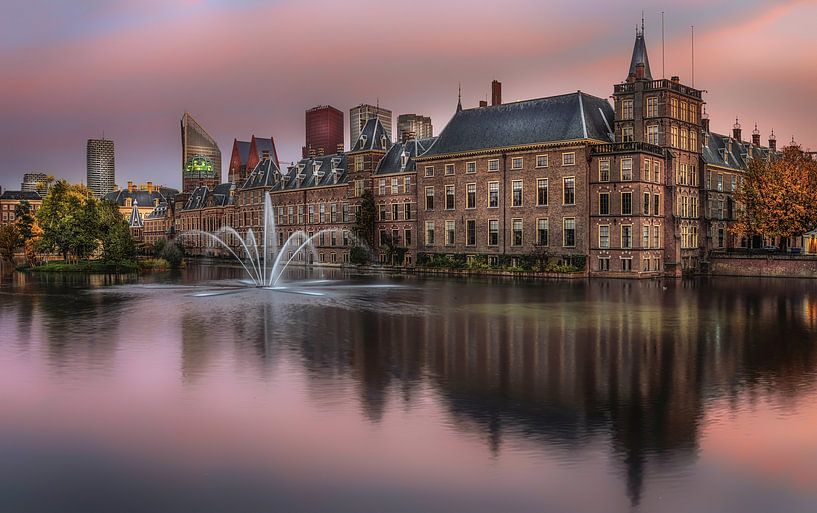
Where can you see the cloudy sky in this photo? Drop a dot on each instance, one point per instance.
(72, 69)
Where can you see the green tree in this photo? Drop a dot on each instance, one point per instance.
(363, 228)
(69, 219)
(172, 253)
(24, 220)
(114, 232)
(10, 241)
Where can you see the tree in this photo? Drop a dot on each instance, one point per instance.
(9, 242)
(69, 220)
(24, 220)
(114, 232)
(363, 229)
(778, 198)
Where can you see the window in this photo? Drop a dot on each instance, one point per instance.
(656, 238)
(516, 163)
(430, 233)
(656, 171)
(471, 195)
(407, 236)
(647, 170)
(541, 161)
(734, 184)
(569, 186)
(359, 163)
(652, 106)
(493, 194)
(449, 197)
(311, 214)
(407, 211)
(627, 109)
(720, 182)
(604, 263)
(626, 236)
(359, 188)
(450, 233)
(627, 264)
(626, 203)
(646, 204)
(382, 187)
(604, 203)
(493, 232)
(693, 113)
(345, 212)
(395, 211)
(333, 208)
(471, 232)
(429, 198)
(429, 171)
(542, 232)
(470, 167)
(517, 193)
(627, 134)
(652, 134)
(516, 232)
(381, 212)
(674, 137)
(626, 169)
(645, 237)
(542, 192)
(684, 139)
(322, 212)
(569, 159)
(569, 232)
(395, 188)
(604, 236)
(693, 140)
(684, 111)
(656, 204)
(449, 169)
(493, 165)
(407, 184)
(673, 108)
(604, 170)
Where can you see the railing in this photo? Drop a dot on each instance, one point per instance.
(627, 147)
(659, 84)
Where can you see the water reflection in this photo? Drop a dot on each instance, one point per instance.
(634, 367)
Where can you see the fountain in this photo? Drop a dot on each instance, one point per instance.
(266, 267)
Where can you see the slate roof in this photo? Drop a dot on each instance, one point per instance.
(314, 172)
(21, 195)
(265, 174)
(143, 197)
(372, 137)
(262, 144)
(243, 151)
(725, 151)
(392, 161)
(203, 197)
(556, 118)
(135, 220)
(640, 56)
(159, 212)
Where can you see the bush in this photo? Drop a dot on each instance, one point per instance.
(173, 254)
(358, 256)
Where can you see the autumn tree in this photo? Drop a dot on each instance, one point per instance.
(69, 220)
(778, 197)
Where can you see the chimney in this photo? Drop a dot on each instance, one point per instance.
(676, 79)
(312, 152)
(264, 154)
(406, 135)
(483, 103)
(496, 93)
(756, 136)
(736, 132)
(639, 71)
(340, 148)
(773, 142)
(320, 151)
(130, 186)
(150, 187)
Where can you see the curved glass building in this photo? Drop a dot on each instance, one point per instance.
(201, 156)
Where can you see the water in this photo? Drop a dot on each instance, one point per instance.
(135, 394)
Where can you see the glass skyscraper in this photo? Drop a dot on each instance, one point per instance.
(101, 166)
(201, 156)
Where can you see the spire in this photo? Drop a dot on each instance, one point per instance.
(640, 55)
(459, 97)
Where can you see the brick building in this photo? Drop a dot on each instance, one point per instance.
(636, 188)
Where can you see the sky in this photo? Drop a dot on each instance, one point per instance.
(75, 69)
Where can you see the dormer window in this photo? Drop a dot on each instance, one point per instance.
(403, 160)
(383, 141)
(363, 141)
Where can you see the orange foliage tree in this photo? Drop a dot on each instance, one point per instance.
(778, 198)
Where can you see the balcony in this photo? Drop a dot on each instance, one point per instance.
(653, 85)
(627, 147)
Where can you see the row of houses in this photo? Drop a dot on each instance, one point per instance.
(639, 187)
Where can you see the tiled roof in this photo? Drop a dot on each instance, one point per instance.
(21, 195)
(556, 118)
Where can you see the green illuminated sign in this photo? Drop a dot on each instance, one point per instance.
(199, 167)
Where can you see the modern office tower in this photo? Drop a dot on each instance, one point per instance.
(362, 113)
(35, 182)
(414, 126)
(101, 166)
(201, 156)
(324, 131)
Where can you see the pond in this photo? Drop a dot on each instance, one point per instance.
(186, 392)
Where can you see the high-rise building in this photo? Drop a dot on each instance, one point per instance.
(101, 166)
(362, 113)
(324, 131)
(35, 182)
(414, 126)
(201, 156)
(247, 154)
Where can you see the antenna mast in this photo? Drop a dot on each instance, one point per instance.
(693, 55)
(663, 54)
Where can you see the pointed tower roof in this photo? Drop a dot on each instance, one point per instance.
(640, 54)
(459, 97)
(135, 220)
